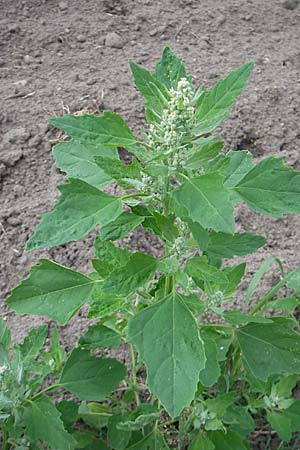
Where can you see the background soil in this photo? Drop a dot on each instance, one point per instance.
(68, 55)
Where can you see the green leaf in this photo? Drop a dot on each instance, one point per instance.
(118, 170)
(203, 154)
(294, 280)
(257, 277)
(91, 378)
(140, 418)
(118, 439)
(32, 345)
(280, 423)
(136, 273)
(207, 202)
(227, 441)
(5, 336)
(205, 275)
(170, 69)
(220, 404)
(104, 304)
(214, 104)
(77, 160)
(210, 374)
(201, 442)
(271, 188)
(44, 424)
(94, 414)
(120, 227)
(239, 419)
(108, 130)
(152, 90)
(237, 318)
(234, 275)
(110, 253)
(51, 290)
(285, 304)
(153, 441)
(79, 209)
(270, 348)
(100, 336)
(240, 163)
(69, 413)
(223, 245)
(293, 412)
(167, 338)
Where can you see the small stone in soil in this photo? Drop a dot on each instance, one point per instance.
(114, 40)
(80, 38)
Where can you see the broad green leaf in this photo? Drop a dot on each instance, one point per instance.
(227, 441)
(220, 404)
(280, 423)
(210, 374)
(201, 442)
(153, 441)
(203, 154)
(91, 378)
(257, 277)
(270, 348)
(110, 253)
(79, 209)
(194, 303)
(158, 224)
(95, 414)
(104, 304)
(69, 413)
(118, 439)
(118, 170)
(120, 227)
(207, 202)
(170, 69)
(234, 275)
(293, 412)
(77, 160)
(89, 442)
(44, 423)
(136, 273)
(152, 90)
(221, 336)
(239, 419)
(200, 234)
(285, 304)
(223, 245)
(32, 345)
(205, 275)
(214, 105)
(284, 387)
(240, 163)
(237, 318)
(167, 338)
(271, 188)
(51, 290)
(140, 418)
(108, 130)
(100, 336)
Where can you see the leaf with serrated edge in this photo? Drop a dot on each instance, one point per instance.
(120, 227)
(207, 202)
(170, 69)
(106, 130)
(100, 336)
(79, 209)
(167, 338)
(270, 348)
(271, 188)
(44, 423)
(214, 104)
(224, 245)
(89, 377)
(77, 161)
(51, 290)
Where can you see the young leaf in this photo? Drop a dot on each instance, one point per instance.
(152, 90)
(170, 69)
(110, 253)
(118, 170)
(100, 336)
(91, 378)
(104, 304)
(140, 418)
(270, 348)
(95, 414)
(51, 290)
(271, 188)
(108, 130)
(204, 274)
(153, 441)
(239, 419)
(241, 162)
(125, 280)
(32, 345)
(280, 423)
(44, 424)
(201, 442)
(210, 374)
(227, 441)
(118, 439)
(203, 154)
(77, 160)
(223, 245)
(214, 105)
(207, 202)
(234, 275)
(167, 338)
(120, 227)
(79, 209)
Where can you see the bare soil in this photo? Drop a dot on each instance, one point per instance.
(60, 56)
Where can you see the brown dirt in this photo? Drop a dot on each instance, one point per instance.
(57, 56)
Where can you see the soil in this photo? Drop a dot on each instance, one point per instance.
(60, 56)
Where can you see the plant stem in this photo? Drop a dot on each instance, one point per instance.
(4, 439)
(133, 366)
(47, 389)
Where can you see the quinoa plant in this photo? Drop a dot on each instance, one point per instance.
(202, 375)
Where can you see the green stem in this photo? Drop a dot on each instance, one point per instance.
(134, 194)
(270, 294)
(5, 439)
(47, 389)
(134, 380)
